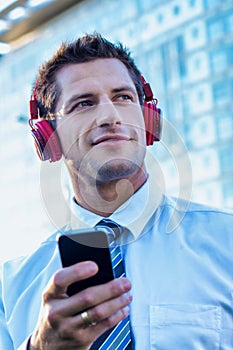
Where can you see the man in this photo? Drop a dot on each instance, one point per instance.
(179, 286)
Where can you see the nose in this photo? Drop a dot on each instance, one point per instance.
(107, 114)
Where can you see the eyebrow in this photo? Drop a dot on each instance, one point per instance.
(68, 104)
(125, 88)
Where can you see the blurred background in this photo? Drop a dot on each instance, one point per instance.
(184, 49)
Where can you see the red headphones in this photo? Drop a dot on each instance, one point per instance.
(47, 143)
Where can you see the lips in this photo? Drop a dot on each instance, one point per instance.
(110, 138)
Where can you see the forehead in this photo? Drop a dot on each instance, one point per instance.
(96, 73)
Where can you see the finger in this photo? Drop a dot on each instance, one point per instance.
(100, 328)
(115, 318)
(104, 311)
(64, 277)
(100, 312)
(88, 334)
(94, 296)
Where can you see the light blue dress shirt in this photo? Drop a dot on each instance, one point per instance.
(179, 259)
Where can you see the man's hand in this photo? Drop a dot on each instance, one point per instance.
(61, 325)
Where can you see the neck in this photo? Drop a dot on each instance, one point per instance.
(104, 198)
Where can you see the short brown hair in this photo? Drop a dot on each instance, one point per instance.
(84, 49)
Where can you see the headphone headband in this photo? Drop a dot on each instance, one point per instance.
(147, 91)
(33, 105)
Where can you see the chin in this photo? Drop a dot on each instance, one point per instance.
(116, 170)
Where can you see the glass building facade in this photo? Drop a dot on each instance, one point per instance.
(184, 49)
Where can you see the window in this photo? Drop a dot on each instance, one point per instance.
(202, 131)
(225, 126)
(195, 33)
(215, 29)
(182, 62)
(145, 5)
(176, 10)
(229, 22)
(226, 159)
(218, 60)
(207, 163)
(160, 18)
(228, 192)
(197, 63)
(212, 3)
(229, 51)
(221, 92)
(200, 95)
(192, 3)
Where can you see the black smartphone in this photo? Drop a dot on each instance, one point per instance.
(83, 245)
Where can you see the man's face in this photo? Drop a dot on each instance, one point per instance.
(100, 122)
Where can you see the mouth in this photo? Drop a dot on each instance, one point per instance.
(111, 138)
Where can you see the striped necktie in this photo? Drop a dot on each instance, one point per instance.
(118, 337)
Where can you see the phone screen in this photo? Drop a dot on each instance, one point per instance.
(87, 245)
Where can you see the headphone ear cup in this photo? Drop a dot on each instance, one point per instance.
(46, 141)
(152, 118)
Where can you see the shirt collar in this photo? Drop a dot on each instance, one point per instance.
(135, 212)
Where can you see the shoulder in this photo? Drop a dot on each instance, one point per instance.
(46, 247)
(27, 276)
(191, 215)
(25, 269)
(189, 207)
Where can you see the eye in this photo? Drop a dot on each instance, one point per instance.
(124, 97)
(82, 105)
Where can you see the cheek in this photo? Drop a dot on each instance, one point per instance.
(69, 135)
(134, 114)
(137, 123)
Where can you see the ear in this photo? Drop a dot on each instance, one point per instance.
(45, 137)
(152, 115)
